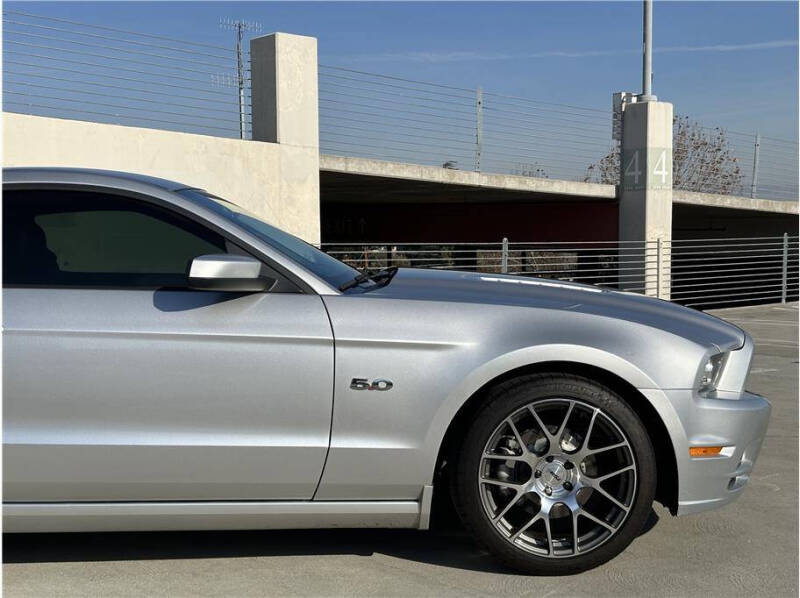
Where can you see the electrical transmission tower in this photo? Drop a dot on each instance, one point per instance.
(239, 27)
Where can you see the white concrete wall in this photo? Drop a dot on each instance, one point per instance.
(279, 183)
(437, 174)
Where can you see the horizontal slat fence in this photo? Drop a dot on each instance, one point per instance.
(701, 273)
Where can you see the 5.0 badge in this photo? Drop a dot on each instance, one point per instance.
(364, 384)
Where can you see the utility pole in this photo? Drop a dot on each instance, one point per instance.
(239, 27)
(647, 53)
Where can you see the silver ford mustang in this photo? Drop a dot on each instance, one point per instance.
(172, 362)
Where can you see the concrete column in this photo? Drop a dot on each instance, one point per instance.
(285, 108)
(284, 94)
(645, 206)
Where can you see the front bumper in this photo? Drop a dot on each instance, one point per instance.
(739, 424)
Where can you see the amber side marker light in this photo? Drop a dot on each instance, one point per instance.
(705, 451)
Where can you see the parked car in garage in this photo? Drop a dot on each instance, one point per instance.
(173, 362)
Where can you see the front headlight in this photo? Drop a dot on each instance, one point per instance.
(710, 373)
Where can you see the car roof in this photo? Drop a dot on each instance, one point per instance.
(44, 174)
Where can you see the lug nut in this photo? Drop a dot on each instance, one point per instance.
(537, 474)
(549, 458)
(548, 490)
(568, 465)
(567, 486)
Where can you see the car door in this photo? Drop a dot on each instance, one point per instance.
(120, 384)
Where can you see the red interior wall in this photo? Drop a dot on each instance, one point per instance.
(468, 222)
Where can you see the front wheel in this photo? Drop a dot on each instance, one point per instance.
(556, 474)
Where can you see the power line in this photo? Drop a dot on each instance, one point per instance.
(106, 28)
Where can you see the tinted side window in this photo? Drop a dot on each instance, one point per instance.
(65, 238)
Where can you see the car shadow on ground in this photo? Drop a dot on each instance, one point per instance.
(445, 548)
(448, 547)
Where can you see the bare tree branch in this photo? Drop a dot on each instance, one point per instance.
(702, 160)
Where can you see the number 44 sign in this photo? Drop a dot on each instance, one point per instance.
(647, 169)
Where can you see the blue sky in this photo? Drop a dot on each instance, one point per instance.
(732, 64)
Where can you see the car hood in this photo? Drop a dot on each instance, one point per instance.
(498, 289)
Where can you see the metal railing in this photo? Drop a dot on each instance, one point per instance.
(712, 272)
(372, 115)
(716, 160)
(701, 273)
(392, 118)
(60, 67)
(775, 168)
(69, 69)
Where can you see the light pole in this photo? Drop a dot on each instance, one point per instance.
(647, 54)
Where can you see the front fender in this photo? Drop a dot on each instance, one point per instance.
(528, 356)
(384, 445)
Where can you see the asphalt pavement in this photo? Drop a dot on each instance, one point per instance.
(749, 548)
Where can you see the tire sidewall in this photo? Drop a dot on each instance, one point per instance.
(508, 398)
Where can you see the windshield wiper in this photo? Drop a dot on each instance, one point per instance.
(385, 276)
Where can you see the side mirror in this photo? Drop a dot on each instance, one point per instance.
(231, 273)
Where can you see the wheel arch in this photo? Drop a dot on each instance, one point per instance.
(666, 463)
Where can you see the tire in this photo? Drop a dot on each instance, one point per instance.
(562, 482)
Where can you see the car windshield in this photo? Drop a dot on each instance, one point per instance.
(312, 259)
